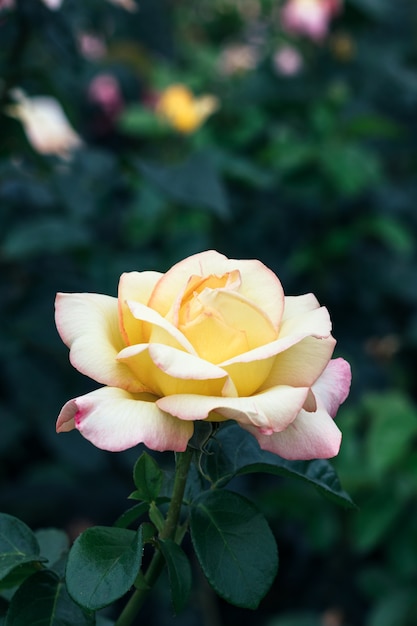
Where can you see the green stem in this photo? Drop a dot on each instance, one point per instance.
(183, 461)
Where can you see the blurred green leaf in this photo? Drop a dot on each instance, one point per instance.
(375, 519)
(36, 236)
(136, 120)
(372, 126)
(391, 232)
(349, 167)
(195, 183)
(392, 431)
(393, 609)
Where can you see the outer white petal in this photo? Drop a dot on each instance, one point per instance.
(88, 325)
(270, 411)
(297, 305)
(309, 436)
(115, 420)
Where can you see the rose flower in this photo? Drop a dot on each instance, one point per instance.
(211, 339)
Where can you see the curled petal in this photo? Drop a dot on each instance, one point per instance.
(115, 420)
(297, 305)
(259, 283)
(167, 371)
(271, 410)
(88, 325)
(158, 329)
(314, 323)
(250, 370)
(137, 287)
(332, 388)
(309, 436)
(302, 364)
(227, 324)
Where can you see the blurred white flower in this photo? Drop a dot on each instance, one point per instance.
(53, 4)
(309, 17)
(45, 124)
(287, 61)
(238, 58)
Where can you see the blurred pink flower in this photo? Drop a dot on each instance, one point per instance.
(104, 90)
(91, 46)
(309, 17)
(7, 4)
(287, 61)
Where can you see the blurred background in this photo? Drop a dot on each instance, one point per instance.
(136, 132)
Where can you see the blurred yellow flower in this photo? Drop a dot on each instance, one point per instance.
(178, 106)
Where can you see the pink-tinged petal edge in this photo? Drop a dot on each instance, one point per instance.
(272, 410)
(115, 420)
(332, 387)
(309, 436)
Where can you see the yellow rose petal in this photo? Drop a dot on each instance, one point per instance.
(137, 287)
(166, 371)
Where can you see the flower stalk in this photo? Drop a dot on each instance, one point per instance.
(182, 466)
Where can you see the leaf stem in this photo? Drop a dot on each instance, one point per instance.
(182, 466)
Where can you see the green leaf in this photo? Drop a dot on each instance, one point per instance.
(194, 183)
(235, 547)
(131, 515)
(148, 478)
(18, 547)
(102, 565)
(43, 600)
(234, 451)
(179, 572)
